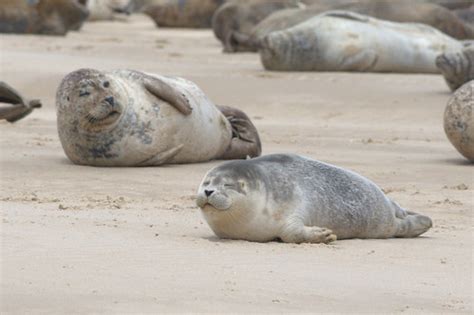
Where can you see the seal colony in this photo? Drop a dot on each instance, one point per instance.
(347, 41)
(131, 118)
(297, 199)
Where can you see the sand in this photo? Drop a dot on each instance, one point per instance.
(81, 239)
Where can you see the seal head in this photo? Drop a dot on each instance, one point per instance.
(89, 94)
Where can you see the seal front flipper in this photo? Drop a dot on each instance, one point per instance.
(162, 157)
(245, 139)
(168, 93)
(21, 107)
(297, 232)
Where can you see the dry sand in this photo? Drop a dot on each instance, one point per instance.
(81, 239)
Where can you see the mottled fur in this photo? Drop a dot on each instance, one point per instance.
(131, 118)
(457, 67)
(297, 199)
(459, 120)
(347, 41)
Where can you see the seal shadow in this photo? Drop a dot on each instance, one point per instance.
(458, 161)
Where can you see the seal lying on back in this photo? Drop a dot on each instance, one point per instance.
(297, 199)
(130, 118)
(459, 120)
(346, 41)
(49, 17)
(457, 67)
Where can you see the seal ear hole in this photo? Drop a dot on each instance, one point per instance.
(106, 84)
(68, 99)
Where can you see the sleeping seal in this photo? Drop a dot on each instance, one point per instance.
(457, 67)
(297, 199)
(131, 118)
(347, 41)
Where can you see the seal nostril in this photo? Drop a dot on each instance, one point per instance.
(110, 100)
(208, 192)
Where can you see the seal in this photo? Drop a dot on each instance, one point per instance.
(457, 67)
(108, 10)
(48, 17)
(347, 41)
(297, 199)
(242, 16)
(131, 118)
(183, 13)
(399, 11)
(459, 120)
(21, 105)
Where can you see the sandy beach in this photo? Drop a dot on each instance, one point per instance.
(81, 239)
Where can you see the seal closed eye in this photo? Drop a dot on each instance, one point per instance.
(297, 199)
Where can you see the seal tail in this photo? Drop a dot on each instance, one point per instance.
(410, 224)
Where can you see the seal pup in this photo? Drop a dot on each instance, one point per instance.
(457, 67)
(48, 17)
(21, 106)
(182, 13)
(242, 16)
(459, 120)
(131, 118)
(347, 41)
(297, 199)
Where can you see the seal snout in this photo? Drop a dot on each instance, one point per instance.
(208, 192)
(110, 100)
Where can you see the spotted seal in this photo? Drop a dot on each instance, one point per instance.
(347, 41)
(132, 118)
(459, 120)
(297, 199)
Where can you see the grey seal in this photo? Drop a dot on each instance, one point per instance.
(132, 118)
(347, 41)
(457, 67)
(395, 11)
(459, 120)
(298, 199)
(48, 17)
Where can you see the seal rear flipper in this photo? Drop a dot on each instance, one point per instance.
(413, 225)
(245, 139)
(162, 158)
(20, 108)
(168, 93)
(10, 95)
(237, 41)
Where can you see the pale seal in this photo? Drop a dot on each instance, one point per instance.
(457, 67)
(131, 118)
(48, 17)
(347, 41)
(297, 199)
(459, 120)
(21, 106)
